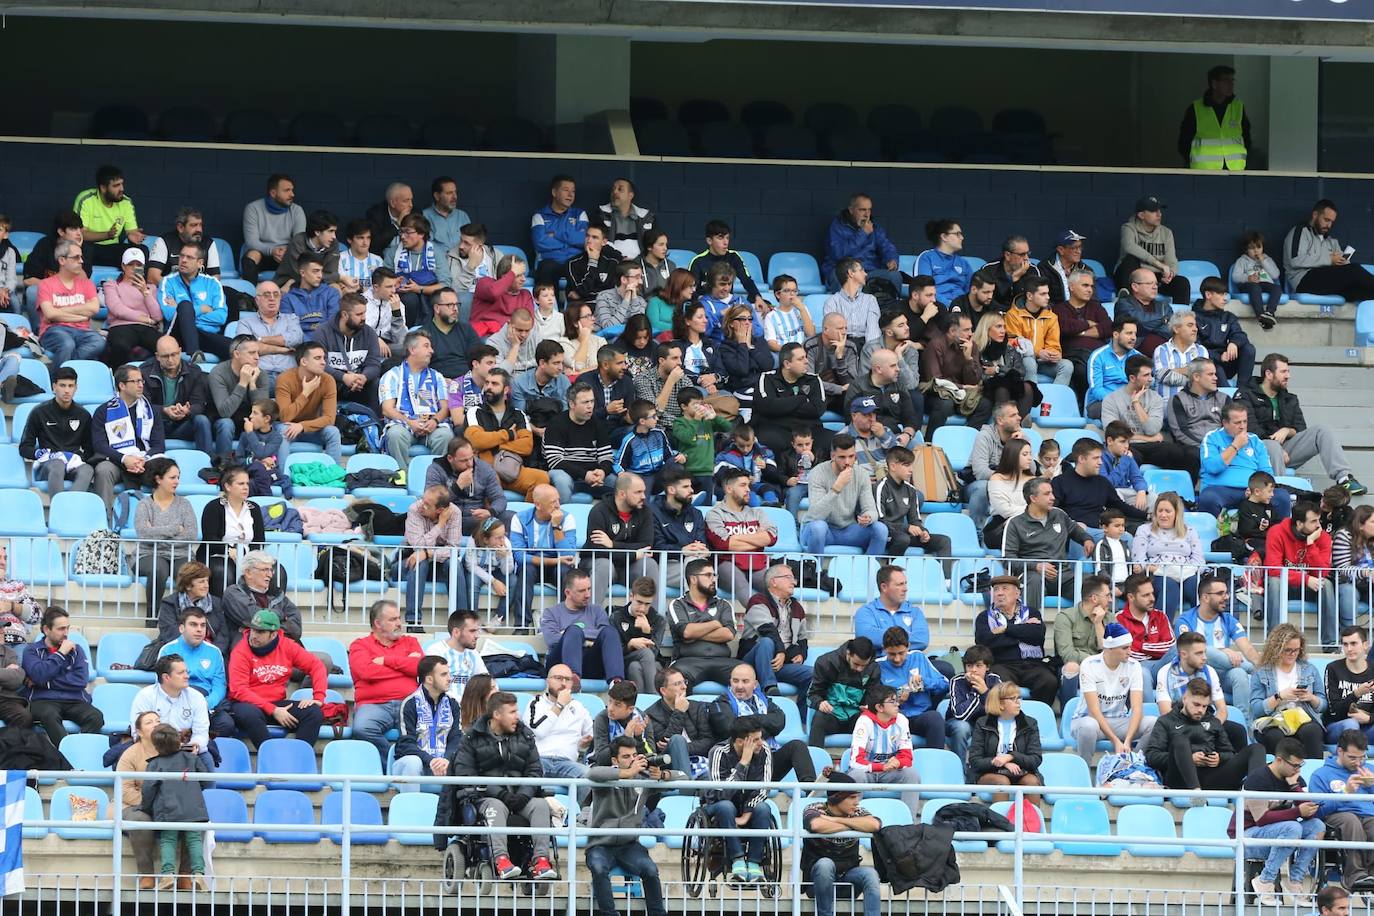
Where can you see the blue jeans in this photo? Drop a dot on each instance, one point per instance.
(1150, 667)
(1334, 730)
(761, 657)
(633, 860)
(1235, 681)
(1322, 602)
(226, 431)
(327, 439)
(816, 535)
(9, 366)
(723, 816)
(863, 879)
(418, 579)
(1303, 856)
(566, 486)
(794, 496)
(979, 508)
(198, 426)
(1173, 596)
(411, 765)
(71, 343)
(563, 768)
(605, 660)
(1213, 500)
(680, 753)
(958, 736)
(371, 722)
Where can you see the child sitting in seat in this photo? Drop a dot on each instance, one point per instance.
(264, 449)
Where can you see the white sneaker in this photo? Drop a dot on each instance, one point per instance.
(1297, 893)
(1264, 892)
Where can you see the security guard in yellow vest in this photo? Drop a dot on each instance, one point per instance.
(1215, 133)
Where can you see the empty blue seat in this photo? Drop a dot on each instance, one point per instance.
(336, 651)
(94, 382)
(1140, 820)
(1065, 412)
(1064, 771)
(287, 807)
(413, 809)
(191, 462)
(121, 648)
(959, 528)
(33, 811)
(755, 269)
(1196, 272)
(354, 758)
(957, 442)
(228, 807)
(364, 811)
(234, 763)
(21, 515)
(37, 561)
(115, 702)
(415, 474)
(1050, 739)
(939, 767)
(1067, 438)
(288, 756)
(85, 752)
(298, 560)
(13, 474)
(676, 809)
(75, 514)
(1084, 817)
(798, 265)
(1161, 480)
(60, 809)
(786, 523)
(1208, 824)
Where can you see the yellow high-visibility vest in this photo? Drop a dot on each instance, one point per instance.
(1218, 145)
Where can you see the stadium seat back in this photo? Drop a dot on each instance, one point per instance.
(115, 702)
(60, 809)
(413, 809)
(285, 807)
(86, 752)
(234, 762)
(1085, 817)
(1139, 820)
(75, 514)
(364, 811)
(288, 756)
(226, 806)
(354, 758)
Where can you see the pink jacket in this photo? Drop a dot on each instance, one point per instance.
(326, 521)
(493, 301)
(127, 306)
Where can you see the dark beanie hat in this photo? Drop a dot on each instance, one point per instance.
(838, 794)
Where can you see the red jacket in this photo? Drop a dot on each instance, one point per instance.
(261, 679)
(393, 679)
(1282, 547)
(492, 300)
(1150, 640)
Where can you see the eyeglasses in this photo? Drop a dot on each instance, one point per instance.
(958, 232)
(1291, 650)
(743, 318)
(1295, 764)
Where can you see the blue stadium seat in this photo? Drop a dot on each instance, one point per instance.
(288, 756)
(1206, 527)
(676, 809)
(13, 474)
(75, 514)
(1208, 823)
(226, 806)
(361, 460)
(233, 762)
(121, 648)
(85, 752)
(1364, 323)
(1050, 739)
(1084, 817)
(287, 807)
(928, 811)
(1148, 821)
(1297, 483)
(36, 372)
(5, 431)
(1312, 298)
(191, 462)
(24, 241)
(589, 700)
(939, 767)
(800, 266)
(353, 758)
(1064, 771)
(364, 811)
(1065, 412)
(33, 811)
(94, 382)
(413, 809)
(957, 442)
(37, 560)
(855, 576)
(1067, 437)
(787, 529)
(336, 651)
(925, 580)
(21, 515)
(1031, 847)
(959, 528)
(1196, 272)
(115, 701)
(1181, 482)
(13, 321)
(415, 474)
(751, 264)
(299, 562)
(792, 728)
(60, 809)
(682, 257)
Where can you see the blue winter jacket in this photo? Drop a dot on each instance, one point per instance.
(201, 291)
(951, 273)
(55, 676)
(558, 236)
(846, 240)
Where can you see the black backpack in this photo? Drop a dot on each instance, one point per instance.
(881, 288)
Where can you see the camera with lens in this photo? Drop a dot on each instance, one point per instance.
(659, 761)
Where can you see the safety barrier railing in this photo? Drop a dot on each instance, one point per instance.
(789, 873)
(334, 581)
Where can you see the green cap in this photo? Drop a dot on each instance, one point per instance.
(265, 620)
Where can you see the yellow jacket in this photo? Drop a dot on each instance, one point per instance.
(1041, 330)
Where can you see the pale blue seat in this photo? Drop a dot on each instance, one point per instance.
(1064, 771)
(354, 758)
(336, 651)
(298, 560)
(1161, 480)
(85, 752)
(21, 514)
(74, 514)
(33, 811)
(60, 809)
(94, 382)
(939, 767)
(121, 648)
(413, 809)
(959, 528)
(226, 806)
(925, 580)
(285, 807)
(799, 265)
(820, 759)
(234, 762)
(1065, 412)
(36, 372)
(191, 462)
(792, 728)
(288, 756)
(1142, 820)
(1084, 817)
(1067, 438)
(115, 702)
(957, 442)
(1050, 739)
(1208, 823)
(364, 811)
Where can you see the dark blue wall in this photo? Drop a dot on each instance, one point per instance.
(771, 207)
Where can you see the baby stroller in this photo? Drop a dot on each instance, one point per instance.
(468, 857)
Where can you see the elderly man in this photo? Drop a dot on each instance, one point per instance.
(1111, 684)
(623, 526)
(259, 587)
(415, 402)
(1229, 455)
(1068, 257)
(578, 633)
(269, 222)
(178, 705)
(383, 664)
(1084, 324)
(1042, 536)
(1143, 304)
(386, 216)
(776, 635)
(1014, 633)
(842, 509)
(1196, 410)
(1173, 356)
(472, 485)
(1277, 418)
(125, 431)
(833, 357)
(1314, 262)
(307, 401)
(853, 235)
(434, 529)
(278, 334)
(180, 390)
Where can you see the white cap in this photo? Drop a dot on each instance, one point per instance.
(133, 254)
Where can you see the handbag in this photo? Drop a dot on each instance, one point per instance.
(979, 581)
(508, 465)
(1287, 721)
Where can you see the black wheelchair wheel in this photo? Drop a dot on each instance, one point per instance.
(696, 858)
(455, 869)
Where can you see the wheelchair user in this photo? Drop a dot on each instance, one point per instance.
(743, 757)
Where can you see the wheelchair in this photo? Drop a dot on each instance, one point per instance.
(704, 865)
(468, 856)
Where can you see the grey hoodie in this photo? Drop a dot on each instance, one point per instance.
(1303, 250)
(1153, 246)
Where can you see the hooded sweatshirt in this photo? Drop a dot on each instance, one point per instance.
(1303, 250)
(1153, 246)
(259, 676)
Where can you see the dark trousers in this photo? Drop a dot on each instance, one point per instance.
(930, 726)
(1264, 297)
(253, 722)
(696, 670)
(794, 755)
(15, 712)
(1239, 370)
(1311, 734)
(192, 338)
(825, 723)
(605, 659)
(222, 722)
(633, 860)
(1079, 357)
(250, 269)
(1182, 773)
(1349, 280)
(1035, 676)
(197, 428)
(1167, 454)
(97, 254)
(550, 271)
(122, 339)
(939, 410)
(50, 713)
(1177, 289)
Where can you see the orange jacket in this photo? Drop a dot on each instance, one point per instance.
(1041, 330)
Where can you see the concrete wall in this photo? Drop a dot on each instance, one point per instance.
(771, 207)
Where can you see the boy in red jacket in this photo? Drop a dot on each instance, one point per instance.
(1300, 544)
(259, 668)
(383, 665)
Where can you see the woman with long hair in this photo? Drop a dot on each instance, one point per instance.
(700, 354)
(679, 289)
(1170, 551)
(744, 355)
(1006, 496)
(1352, 556)
(474, 703)
(1006, 743)
(230, 527)
(580, 344)
(1006, 375)
(654, 261)
(1285, 685)
(637, 340)
(165, 524)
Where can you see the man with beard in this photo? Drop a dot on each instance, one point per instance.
(494, 427)
(703, 626)
(352, 352)
(622, 525)
(106, 214)
(1314, 262)
(189, 227)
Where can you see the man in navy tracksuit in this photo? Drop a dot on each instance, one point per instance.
(59, 672)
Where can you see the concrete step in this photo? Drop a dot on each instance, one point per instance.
(1299, 326)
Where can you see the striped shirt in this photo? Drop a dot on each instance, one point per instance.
(463, 664)
(875, 742)
(1171, 367)
(784, 326)
(359, 269)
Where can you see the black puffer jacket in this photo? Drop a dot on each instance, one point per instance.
(916, 855)
(482, 753)
(1025, 752)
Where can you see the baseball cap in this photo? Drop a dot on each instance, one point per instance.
(1151, 204)
(1115, 636)
(133, 255)
(863, 405)
(1068, 237)
(267, 621)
